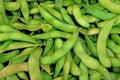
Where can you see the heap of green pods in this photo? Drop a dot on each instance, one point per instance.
(59, 39)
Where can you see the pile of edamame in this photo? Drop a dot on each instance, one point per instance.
(59, 40)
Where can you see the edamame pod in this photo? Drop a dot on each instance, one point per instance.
(64, 50)
(103, 70)
(34, 71)
(24, 9)
(99, 13)
(53, 12)
(84, 72)
(74, 68)
(78, 16)
(56, 23)
(113, 7)
(60, 63)
(89, 61)
(12, 6)
(66, 17)
(101, 43)
(113, 46)
(66, 67)
(22, 75)
(16, 45)
(13, 68)
(7, 56)
(2, 12)
(16, 36)
(12, 77)
(52, 34)
(48, 46)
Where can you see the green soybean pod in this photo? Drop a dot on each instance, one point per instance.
(90, 18)
(99, 6)
(5, 44)
(74, 69)
(102, 24)
(104, 72)
(13, 68)
(85, 58)
(30, 27)
(24, 9)
(91, 46)
(46, 68)
(12, 77)
(2, 11)
(101, 43)
(76, 59)
(16, 45)
(58, 4)
(70, 9)
(113, 46)
(46, 76)
(95, 76)
(116, 38)
(48, 46)
(52, 34)
(34, 71)
(66, 17)
(12, 6)
(110, 53)
(36, 21)
(52, 50)
(53, 12)
(93, 31)
(14, 19)
(56, 56)
(22, 56)
(84, 72)
(99, 13)
(79, 17)
(16, 36)
(22, 75)
(7, 56)
(7, 28)
(113, 7)
(18, 25)
(47, 27)
(60, 63)
(115, 30)
(91, 71)
(66, 67)
(20, 59)
(115, 62)
(58, 43)
(67, 2)
(34, 10)
(56, 23)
